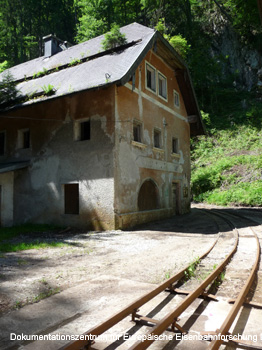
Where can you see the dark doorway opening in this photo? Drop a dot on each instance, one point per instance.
(148, 197)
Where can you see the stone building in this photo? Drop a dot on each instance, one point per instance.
(99, 139)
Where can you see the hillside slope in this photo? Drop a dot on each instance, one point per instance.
(227, 162)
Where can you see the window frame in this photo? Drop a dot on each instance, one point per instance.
(176, 97)
(138, 124)
(175, 149)
(162, 77)
(158, 132)
(151, 68)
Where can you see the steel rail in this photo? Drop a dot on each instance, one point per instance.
(215, 344)
(131, 309)
(173, 315)
(171, 318)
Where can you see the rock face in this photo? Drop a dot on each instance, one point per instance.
(238, 59)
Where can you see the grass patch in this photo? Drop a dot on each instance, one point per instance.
(43, 295)
(227, 162)
(14, 231)
(190, 271)
(245, 194)
(47, 294)
(9, 233)
(15, 247)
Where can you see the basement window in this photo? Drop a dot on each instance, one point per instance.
(162, 86)
(71, 196)
(24, 138)
(150, 77)
(176, 99)
(2, 143)
(157, 138)
(137, 131)
(174, 145)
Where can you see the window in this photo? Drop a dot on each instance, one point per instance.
(157, 138)
(137, 131)
(71, 195)
(24, 138)
(176, 99)
(2, 143)
(174, 145)
(162, 86)
(150, 77)
(82, 130)
(85, 130)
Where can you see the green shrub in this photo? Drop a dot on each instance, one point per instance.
(113, 38)
(214, 182)
(245, 194)
(180, 44)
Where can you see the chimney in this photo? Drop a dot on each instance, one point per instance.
(53, 45)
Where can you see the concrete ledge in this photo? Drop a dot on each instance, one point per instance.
(127, 220)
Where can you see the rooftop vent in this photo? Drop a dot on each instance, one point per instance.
(54, 45)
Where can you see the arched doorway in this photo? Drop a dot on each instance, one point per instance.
(148, 197)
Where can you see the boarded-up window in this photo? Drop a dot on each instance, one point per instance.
(2, 143)
(148, 198)
(71, 195)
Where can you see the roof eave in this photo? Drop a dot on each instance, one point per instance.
(136, 64)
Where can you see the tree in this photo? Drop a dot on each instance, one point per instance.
(23, 23)
(8, 90)
(3, 66)
(97, 16)
(92, 20)
(180, 45)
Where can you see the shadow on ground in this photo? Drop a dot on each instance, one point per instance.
(206, 221)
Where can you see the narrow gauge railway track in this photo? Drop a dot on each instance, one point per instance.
(235, 220)
(224, 329)
(133, 308)
(171, 319)
(240, 300)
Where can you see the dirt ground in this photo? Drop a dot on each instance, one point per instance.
(149, 254)
(98, 273)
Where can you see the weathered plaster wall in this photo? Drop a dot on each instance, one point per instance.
(7, 193)
(138, 162)
(58, 159)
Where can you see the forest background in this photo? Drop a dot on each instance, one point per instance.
(221, 41)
